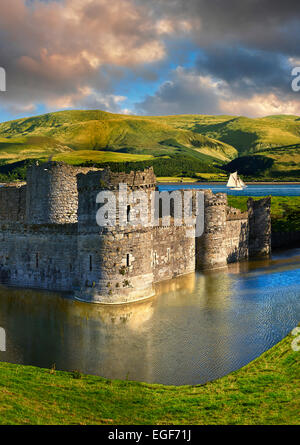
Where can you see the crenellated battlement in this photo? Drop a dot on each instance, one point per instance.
(235, 214)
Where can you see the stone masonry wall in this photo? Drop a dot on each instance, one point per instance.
(211, 249)
(52, 196)
(237, 235)
(259, 214)
(115, 262)
(45, 246)
(173, 252)
(115, 266)
(90, 184)
(13, 203)
(38, 256)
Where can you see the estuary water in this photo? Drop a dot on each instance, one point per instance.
(198, 327)
(250, 190)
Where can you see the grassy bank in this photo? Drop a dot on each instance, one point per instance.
(285, 211)
(264, 392)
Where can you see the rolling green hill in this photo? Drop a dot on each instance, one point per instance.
(245, 134)
(98, 136)
(274, 137)
(64, 132)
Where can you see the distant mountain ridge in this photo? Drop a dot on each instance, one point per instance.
(100, 131)
(76, 136)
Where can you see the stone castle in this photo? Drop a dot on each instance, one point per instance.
(49, 237)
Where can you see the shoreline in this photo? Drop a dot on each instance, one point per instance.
(224, 183)
(270, 380)
(14, 183)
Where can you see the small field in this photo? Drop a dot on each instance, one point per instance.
(266, 391)
(169, 179)
(80, 156)
(285, 211)
(199, 177)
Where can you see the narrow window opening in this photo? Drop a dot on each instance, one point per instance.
(37, 260)
(91, 263)
(128, 213)
(128, 260)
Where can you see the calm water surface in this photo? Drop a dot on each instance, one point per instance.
(198, 328)
(251, 190)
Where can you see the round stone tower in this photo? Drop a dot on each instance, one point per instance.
(52, 196)
(211, 246)
(115, 261)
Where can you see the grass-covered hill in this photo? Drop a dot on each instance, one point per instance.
(100, 137)
(82, 131)
(274, 137)
(245, 134)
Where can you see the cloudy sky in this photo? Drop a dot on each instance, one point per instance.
(149, 57)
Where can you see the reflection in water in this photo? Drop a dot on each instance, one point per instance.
(198, 327)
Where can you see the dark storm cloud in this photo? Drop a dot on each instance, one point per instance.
(270, 25)
(247, 71)
(246, 47)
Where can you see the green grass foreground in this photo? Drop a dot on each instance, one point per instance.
(266, 391)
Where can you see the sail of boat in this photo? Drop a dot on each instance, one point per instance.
(232, 180)
(241, 182)
(235, 182)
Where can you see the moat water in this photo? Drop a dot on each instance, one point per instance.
(251, 190)
(198, 327)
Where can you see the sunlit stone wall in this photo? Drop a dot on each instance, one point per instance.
(56, 243)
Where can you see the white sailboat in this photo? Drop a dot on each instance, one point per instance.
(235, 182)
